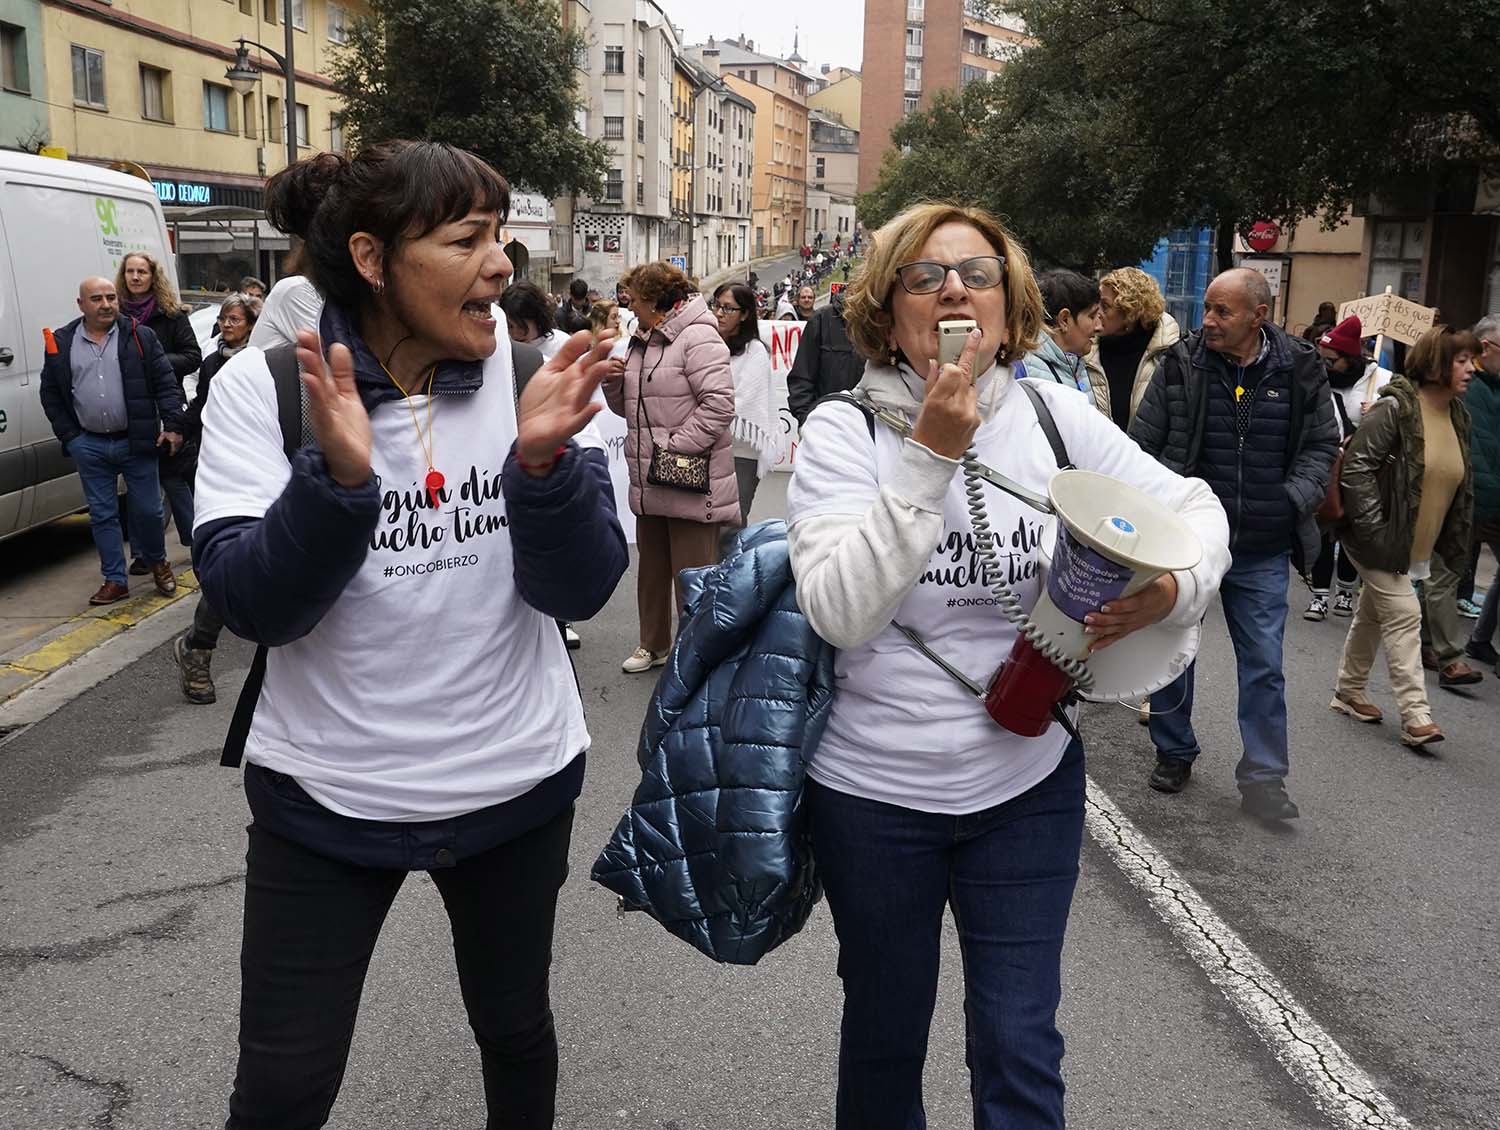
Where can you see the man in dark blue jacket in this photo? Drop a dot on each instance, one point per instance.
(112, 399)
(1245, 407)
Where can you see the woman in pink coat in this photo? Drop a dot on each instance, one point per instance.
(677, 398)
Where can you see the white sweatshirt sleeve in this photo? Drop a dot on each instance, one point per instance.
(857, 545)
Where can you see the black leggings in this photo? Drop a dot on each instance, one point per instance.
(310, 927)
(1322, 570)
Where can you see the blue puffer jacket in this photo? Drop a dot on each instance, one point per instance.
(715, 845)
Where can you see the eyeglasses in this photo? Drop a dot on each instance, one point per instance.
(720, 308)
(983, 272)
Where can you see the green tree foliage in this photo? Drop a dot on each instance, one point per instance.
(1131, 117)
(496, 77)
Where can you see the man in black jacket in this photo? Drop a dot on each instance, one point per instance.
(1245, 407)
(826, 361)
(112, 399)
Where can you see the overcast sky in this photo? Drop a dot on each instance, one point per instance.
(832, 30)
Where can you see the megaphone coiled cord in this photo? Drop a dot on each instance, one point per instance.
(1008, 603)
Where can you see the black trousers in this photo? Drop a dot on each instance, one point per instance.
(311, 923)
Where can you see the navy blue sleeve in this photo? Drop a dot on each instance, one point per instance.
(570, 552)
(273, 578)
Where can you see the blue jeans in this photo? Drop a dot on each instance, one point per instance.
(100, 462)
(1008, 872)
(1253, 594)
(179, 492)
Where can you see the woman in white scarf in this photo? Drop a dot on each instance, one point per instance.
(759, 440)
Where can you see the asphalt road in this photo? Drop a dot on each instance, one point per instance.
(121, 867)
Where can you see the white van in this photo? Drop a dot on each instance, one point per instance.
(60, 223)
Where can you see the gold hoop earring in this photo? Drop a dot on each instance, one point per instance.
(377, 285)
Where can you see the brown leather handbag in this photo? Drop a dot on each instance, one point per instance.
(681, 471)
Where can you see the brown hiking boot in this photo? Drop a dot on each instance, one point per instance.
(197, 678)
(1361, 710)
(161, 573)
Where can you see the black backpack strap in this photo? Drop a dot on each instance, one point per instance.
(291, 398)
(296, 432)
(863, 406)
(525, 360)
(1049, 425)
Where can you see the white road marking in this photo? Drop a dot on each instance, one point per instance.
(1312, 1057)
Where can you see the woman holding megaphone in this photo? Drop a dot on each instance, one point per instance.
(918, 799)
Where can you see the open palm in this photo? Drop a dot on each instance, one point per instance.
(558, 400)
(340, 423)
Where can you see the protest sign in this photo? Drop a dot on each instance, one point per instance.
(1391, 316)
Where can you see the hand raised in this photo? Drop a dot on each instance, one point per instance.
(950, 408)
(558, 400)
(340, 423)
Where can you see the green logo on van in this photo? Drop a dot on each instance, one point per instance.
(105, 209)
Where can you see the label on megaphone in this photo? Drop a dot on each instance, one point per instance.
(1083, 580)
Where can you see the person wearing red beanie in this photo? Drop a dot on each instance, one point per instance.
(1354, 381)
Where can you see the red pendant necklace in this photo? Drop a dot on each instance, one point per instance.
(434, 480)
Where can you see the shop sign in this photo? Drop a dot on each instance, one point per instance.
(183, 192)
(1262, 235)
(1270, 269)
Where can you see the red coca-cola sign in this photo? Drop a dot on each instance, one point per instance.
(1262, 235)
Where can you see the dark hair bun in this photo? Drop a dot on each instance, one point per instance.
(294, 195)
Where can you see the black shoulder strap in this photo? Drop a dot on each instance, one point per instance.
(1049, 425)
(291, 413)
(291, 409)
(525, 360)
(869, 413)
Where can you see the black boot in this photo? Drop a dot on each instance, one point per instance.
(1170, 774)
(1268, 801)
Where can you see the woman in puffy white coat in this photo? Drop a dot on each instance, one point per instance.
(917, 799)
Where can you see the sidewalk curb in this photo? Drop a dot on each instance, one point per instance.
(83, 634)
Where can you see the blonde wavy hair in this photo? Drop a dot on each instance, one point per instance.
(867, 302)
(1136, 295)
(161, 287)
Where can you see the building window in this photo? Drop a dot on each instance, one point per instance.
(974, 43)
(339, 20)
(911, 103)
(614, 186)
(755, 77)
(275, 119)
(156, 94)
(15, 71)
(640, 64)
(271, 10)
(820, 170)
(304, 134)
(1396, 258)
(247, 112)
(916, 11)
(913, 43)
(913, 74)
(640, 128)
(614, 60)
(335, 133)
(216, 108)
(88, 77)
(640, 192)
(299, 14)
(614, 129)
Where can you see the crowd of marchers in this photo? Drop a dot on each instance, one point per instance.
(412, 708)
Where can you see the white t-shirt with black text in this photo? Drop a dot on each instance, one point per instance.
(430, 689)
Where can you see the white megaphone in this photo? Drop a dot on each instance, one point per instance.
(1112, 541)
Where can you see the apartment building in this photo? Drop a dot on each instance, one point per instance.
(629, 71)
(833, 175)
(145, 84)
(723, 167)
(779, 90)
(914, 48)
(677, 237)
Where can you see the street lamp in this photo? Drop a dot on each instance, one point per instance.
(243, 75)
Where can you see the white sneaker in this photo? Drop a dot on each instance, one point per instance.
(1343, 604)
(642, 660)
(1317, 608)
